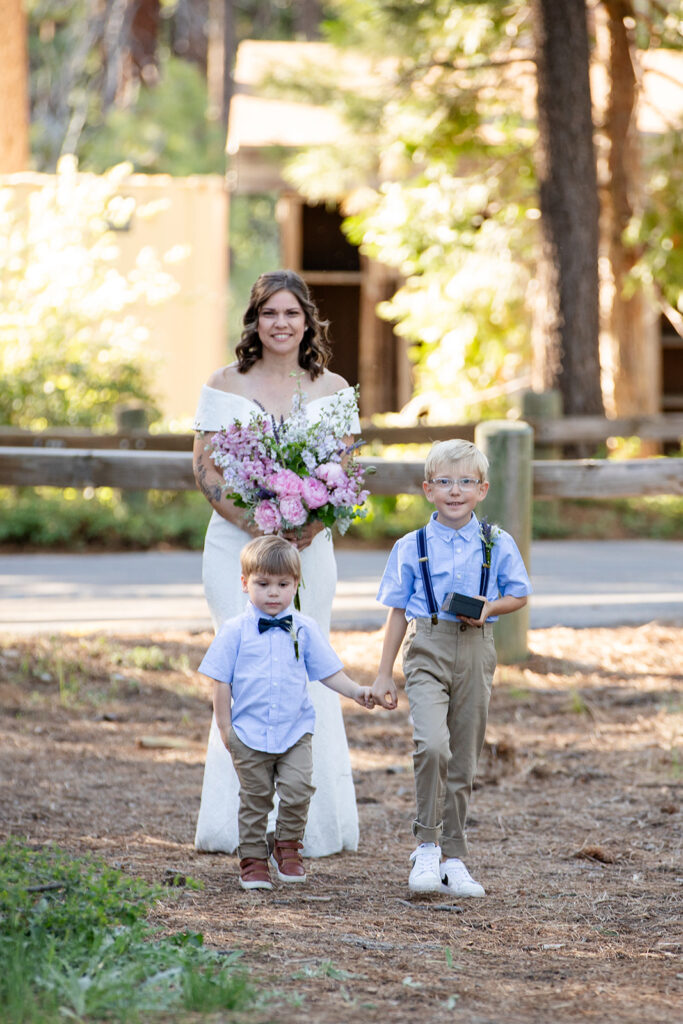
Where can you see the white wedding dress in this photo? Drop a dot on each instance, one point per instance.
(333, 817)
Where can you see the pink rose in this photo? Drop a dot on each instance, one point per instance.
(267, 517)
(314, 492)
(332, 473)
(285, 482)
(293, 511)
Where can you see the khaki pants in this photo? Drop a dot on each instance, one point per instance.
(449, 669)
(259, 775)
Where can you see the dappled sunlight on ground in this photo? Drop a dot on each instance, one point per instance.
(575, 828)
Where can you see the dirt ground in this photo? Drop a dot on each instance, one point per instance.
(575, 829)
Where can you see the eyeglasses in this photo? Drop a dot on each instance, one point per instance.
(444, 483)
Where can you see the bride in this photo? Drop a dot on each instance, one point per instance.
(284, 347)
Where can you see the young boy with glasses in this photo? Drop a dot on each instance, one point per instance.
(429, 583)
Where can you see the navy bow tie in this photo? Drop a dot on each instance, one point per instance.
(284, 623)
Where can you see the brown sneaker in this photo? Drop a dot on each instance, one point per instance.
(287, 861)
(254, 873)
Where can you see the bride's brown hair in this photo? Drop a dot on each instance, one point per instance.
(314, 350)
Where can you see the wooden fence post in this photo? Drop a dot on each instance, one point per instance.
(133, 416)
(542, 405)
(545, 405)
(508, 445)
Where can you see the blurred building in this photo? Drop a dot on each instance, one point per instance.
(264, 132)
(187, 332)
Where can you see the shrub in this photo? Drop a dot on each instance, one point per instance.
(70, 347)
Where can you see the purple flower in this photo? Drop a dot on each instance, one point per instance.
(488, 533)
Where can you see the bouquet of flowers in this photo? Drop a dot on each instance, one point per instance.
(289, 472)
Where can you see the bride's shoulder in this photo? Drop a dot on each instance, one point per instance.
(329, 384)
(226, 378)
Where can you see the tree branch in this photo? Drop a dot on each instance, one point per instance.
(527, 58)
(672, 315)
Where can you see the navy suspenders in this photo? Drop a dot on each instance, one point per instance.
(485, 571)
(423, 562)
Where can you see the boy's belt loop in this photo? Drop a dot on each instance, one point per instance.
(423, 561)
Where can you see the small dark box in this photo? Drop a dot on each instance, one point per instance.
(460, 604)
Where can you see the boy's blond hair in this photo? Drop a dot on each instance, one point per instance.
(448, 452)
(272, 556)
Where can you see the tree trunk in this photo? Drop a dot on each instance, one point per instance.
(307, 15)
(222, 49)
(190, 31)
(144, 39)
(129, 42)
(566, 355)
(631, 351)
(14, 109)
(114, 49)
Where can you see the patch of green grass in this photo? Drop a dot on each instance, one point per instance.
(48, 517)
(325, 969)
(519, 693)
(450, 962)
(75, 944)
(143, 658)
(657, 518)
(69, 680)
(577, 704)
(70, 675)
(91, 672)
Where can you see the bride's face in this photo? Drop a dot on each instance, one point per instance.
(281, 323)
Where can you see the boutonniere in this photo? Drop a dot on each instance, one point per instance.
(294, 633)
(488, 533)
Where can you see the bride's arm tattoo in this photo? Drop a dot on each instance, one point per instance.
(210, 491)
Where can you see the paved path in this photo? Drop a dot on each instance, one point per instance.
(576, 583)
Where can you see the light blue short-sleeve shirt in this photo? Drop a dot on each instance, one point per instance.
(455, 561)
(271, 709)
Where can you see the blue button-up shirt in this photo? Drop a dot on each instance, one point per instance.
(271, 709)
(455, 561)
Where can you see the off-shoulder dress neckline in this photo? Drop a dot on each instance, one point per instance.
(251, 401)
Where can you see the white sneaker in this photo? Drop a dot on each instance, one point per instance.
(425, 875)
(456, 879)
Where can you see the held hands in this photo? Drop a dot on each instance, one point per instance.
(364, 697)
(384, 693)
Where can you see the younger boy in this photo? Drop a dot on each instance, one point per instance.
(448, 658)
(259, 662)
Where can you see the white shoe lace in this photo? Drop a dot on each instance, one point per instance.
(457, 871)
(426, 861)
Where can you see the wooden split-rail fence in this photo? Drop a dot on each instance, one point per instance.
(138, 461)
